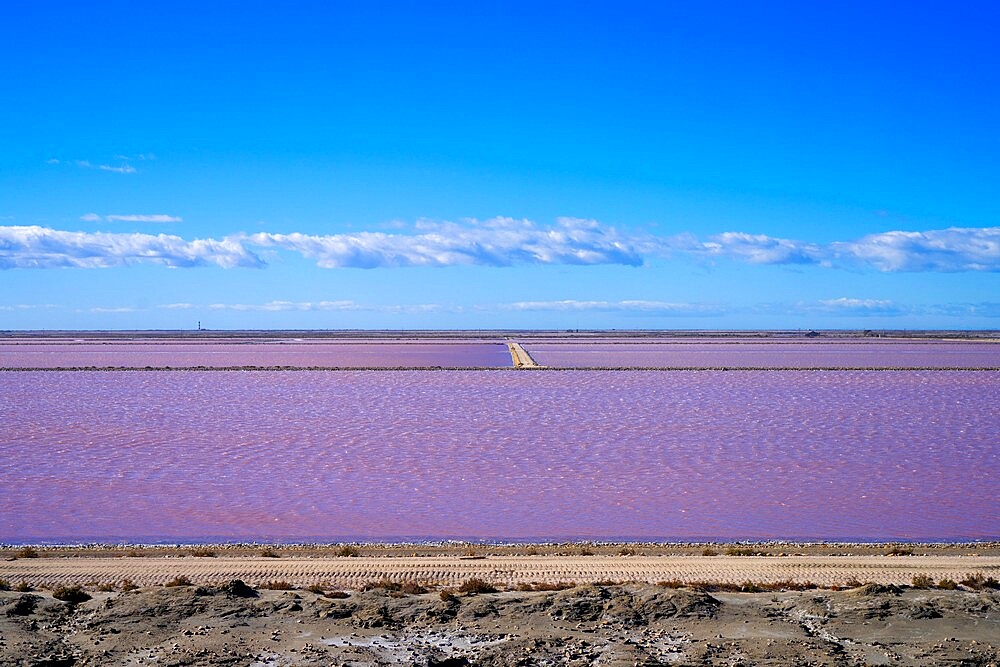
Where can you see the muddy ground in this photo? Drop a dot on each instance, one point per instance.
(586, 625)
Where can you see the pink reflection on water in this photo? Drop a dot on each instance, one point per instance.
(854, 354)
(302, 354)
(369, 454)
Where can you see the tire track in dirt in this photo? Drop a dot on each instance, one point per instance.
(450, 571)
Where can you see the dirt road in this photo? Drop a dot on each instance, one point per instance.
(353, 573)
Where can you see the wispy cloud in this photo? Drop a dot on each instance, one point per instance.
(143, 218)
(93, 217)
(28, 306)
(305, 306)
(120, 169)
(500, 242)
(40, 247)
(625, 306)
(111, 310)
(846, 306)
(124, 165)
(852, 306)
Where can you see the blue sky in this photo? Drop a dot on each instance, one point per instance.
(481, 165)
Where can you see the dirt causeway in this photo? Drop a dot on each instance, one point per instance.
(354, 573)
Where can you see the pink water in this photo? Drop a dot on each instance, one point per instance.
(186, 456)
(854, 354)
(159, 354)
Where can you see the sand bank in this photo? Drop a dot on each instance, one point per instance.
(507, 571)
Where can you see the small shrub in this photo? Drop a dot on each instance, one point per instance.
(277, 586)
(922, 581)
(23, 587)
(853, 583)
(105, 588)
(27, 552)
(318, 589)
(476, 586)
(385, 584)
(978, 582)
(626, 551)
(71, 594)
(412, 588)
(128, 585)
(586, 552)
(538, 586)
(447, 596)
(743, 551)
(532, 551)
(337, 595)
(671, 583)
(708, 551)
(348, 551)
(4, 585)
(178, 581)
(203, 553)
(948, 584)
(899, 551)
(714, 586)
(134, 553)
(270, 553)
(238, 589)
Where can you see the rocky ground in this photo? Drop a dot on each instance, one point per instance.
(585, 625)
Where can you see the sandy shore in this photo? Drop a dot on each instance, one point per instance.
(504, 571)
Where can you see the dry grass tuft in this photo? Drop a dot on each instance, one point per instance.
(71, 594)
(179, 581)
(277, 586)
(476, 586)
(545, 586)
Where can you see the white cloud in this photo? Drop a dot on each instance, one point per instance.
(952, 249)
(143, 218)
(498, 242)
(851, 306)
(761, 249)
(495, 242)
(90, 217)
(41, 247)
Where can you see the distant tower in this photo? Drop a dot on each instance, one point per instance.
(199, 325)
